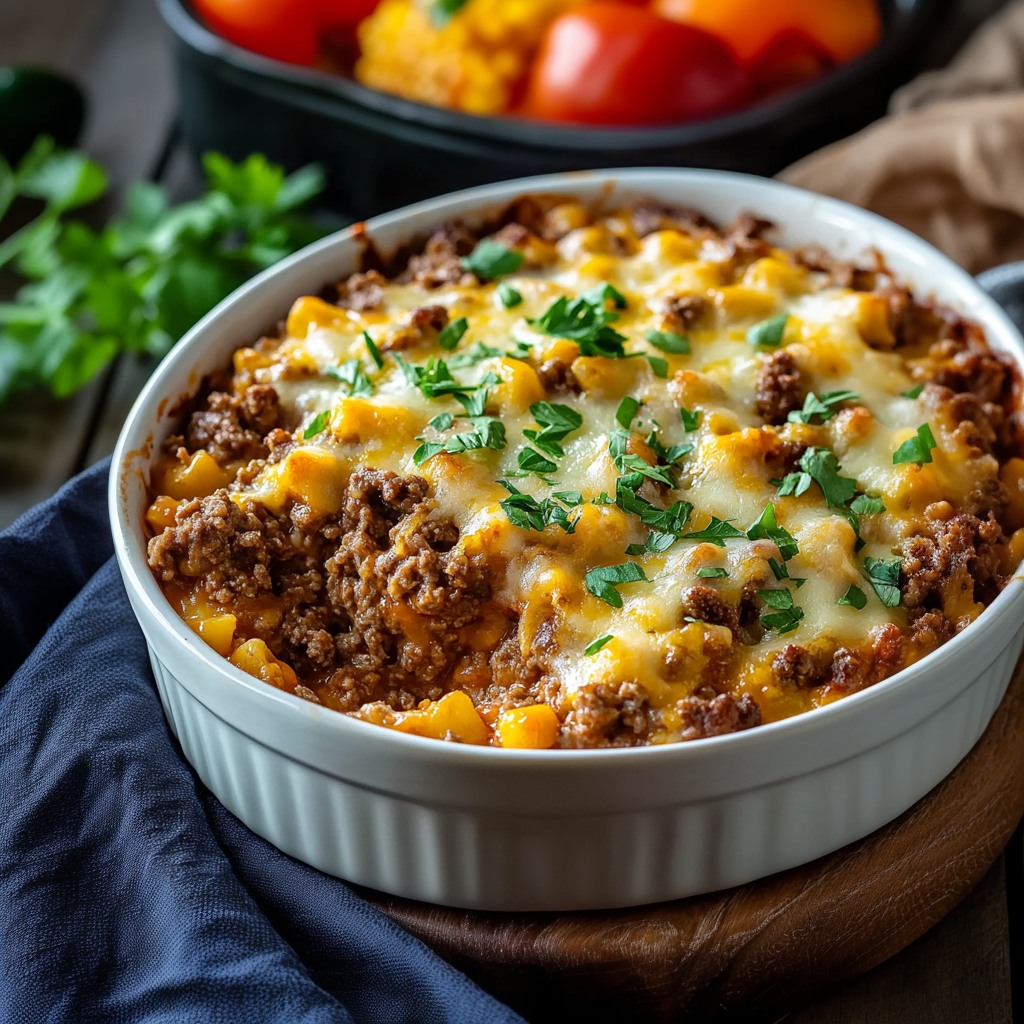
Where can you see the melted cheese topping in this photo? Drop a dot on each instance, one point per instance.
(728, 473)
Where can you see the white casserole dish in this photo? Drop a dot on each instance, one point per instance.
(525, 830)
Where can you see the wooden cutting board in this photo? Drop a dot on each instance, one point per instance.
(760, 945)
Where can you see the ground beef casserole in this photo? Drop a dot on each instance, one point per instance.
(589, 480)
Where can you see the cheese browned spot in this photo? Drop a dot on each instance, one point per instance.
(694, 467)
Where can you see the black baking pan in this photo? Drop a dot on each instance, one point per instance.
(382, 152)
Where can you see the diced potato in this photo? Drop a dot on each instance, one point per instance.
(520, 386)
(160, 514)
(739, 302)
(309, 311)
(312, 476)
(200, 476)
(530, 728)
(218, 631)
(453, 715)
(256, 658)
(1012, 476)
(668, 247)
(777, 275)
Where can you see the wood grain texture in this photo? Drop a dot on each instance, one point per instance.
(767, 944)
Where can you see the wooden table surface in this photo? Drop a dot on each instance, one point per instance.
(967, 970)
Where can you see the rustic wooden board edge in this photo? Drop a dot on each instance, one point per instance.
(763, 945)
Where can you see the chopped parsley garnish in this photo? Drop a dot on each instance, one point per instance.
(316, 425)
(487, 432)
(527, 513)
(584, 322)
(596, 645)
(712, 572)
(371, 347)
(768, 333)
(352, 374)
(916, 449)
(627, 410)
(556, 422)
(531, 461)
(668, 341)
(602, 582)
(786, 616)
(824, 408)
(717, 532)
(477, 353)
(603, 293)
(767, 528)
(781, 572)
(914, 392)
(690, 419)
(571, 498)
(452, 333)
(821, 466)
(862, 505)
(442, 421)
(626, 462)
(854, 597)
(508, 296)
(884, 575)
(435, 379)
(491, 259)
(659, 366)
(670, 455)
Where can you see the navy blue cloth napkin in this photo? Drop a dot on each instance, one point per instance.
(127, 892)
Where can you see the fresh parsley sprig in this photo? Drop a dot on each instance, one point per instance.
(556, 423)
(884, 576)
(786, 615)
(604, 581)
(144, 279)
(586, 321)
(491, 259)
(916, 449)
(822, 408)
(526, 512)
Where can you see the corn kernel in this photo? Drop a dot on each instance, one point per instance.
(531, 728)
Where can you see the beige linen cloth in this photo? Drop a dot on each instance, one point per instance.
(948, 160)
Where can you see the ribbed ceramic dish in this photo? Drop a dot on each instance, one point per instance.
(498, 829)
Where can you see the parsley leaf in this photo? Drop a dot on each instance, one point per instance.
(316, 425)
(854, 597)
(914, 392)
(442, 421)
(452, 333)
(627, 410)
(508, 296)
(766, 527)
(435, 379)
(527, 513)
(671, 520)
(794, 484)
(603, 293)
(371, 347)
(786, 616)
(712, 572)
(531, 461)
(916, 449)
(352, 374)
(602, 582)
(823, 408)
(862, 505)
(626, 462)
(557, 422)
(884, 575)
(596, 645)
(717, 532)
(668, 341)
(476, 353)
(491, 259)
(690, 419)
(823, 467)
(768, 333)
(583, 322)
(571, 498)
(659, 366)
(488, 432)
